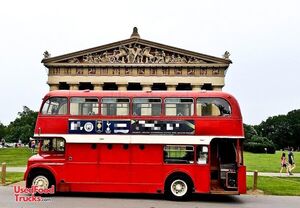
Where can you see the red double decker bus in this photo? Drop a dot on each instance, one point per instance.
(176, 143)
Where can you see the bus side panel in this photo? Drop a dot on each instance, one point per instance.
(202, 179)
(219, 127)
(51, 125)
(114, 164)
(242, 180)
(81, 165)
(146, 168)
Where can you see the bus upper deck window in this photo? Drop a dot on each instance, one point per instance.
(146, 106)
(213, 107)
(179, 106)
(115, 106)
(84, 106)
(55, 106)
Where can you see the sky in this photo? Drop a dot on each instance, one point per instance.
(263, 38)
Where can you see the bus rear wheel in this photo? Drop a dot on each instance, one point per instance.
(178, 188)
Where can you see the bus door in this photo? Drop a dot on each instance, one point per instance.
(224, 165)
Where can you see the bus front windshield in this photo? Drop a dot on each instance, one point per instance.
(53, 145)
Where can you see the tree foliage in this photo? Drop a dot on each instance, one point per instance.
(282, 130)
(2, 130)
(22, 127)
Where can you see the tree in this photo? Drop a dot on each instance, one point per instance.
(22, 127)
(2, 131)
(283, 130)
(249, 132)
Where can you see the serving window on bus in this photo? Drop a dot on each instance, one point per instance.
(55, 106)
(146, 106)
(213, 107)
(53, 145)
(84, 106)
(179, 154)
(115, 106)
(179, 106)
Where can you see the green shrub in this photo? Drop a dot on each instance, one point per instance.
(259, 144)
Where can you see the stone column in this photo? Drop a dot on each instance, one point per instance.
(171, 87)
(54, 87)
(98, 86)
(122, 86)
(196, 87)
(217, 87)
(146, 86)
(74, 86)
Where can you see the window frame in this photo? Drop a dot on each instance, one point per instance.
(84, 97)
(221, 114)
(144, 98)
(192, 106)
(179, 160)
(198, 154)
(47, 99)
(129, 103)
(52, 151)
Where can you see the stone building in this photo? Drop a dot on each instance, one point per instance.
(136, 64)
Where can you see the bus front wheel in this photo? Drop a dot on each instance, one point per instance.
(178, 188)
(41, 180)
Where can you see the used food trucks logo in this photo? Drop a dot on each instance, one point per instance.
(31, 194)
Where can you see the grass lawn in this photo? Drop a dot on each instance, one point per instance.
(267, 162)
(13, 177)
(286, 186)
(15, 157)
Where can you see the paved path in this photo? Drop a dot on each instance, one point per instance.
(275, 174)
(73, 200)
(22, 170)
(16, 169)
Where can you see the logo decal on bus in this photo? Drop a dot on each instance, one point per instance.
(99, 126)
(131, 126)
(162, 127)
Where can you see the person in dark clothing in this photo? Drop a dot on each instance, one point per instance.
(291, 158)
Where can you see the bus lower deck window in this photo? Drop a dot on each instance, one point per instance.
(179, 154)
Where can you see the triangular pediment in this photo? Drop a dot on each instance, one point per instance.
(135, 51)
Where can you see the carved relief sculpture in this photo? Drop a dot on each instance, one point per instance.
(135, 54)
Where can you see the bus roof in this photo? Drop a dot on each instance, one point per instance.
(97, 93)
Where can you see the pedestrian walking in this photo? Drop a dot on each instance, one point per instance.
(3, 142)
(32, 145)
(292, 164)
(283, 163)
